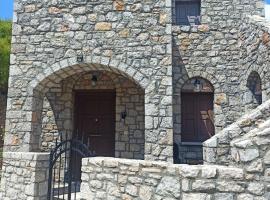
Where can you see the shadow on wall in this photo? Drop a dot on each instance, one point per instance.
(183, 154)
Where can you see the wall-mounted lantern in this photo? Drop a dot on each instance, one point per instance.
(124, 115)
(94, 79)
(80, 58)
(197, 85)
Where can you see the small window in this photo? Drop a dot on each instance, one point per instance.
(188, 12)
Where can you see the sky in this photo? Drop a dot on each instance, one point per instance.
(7, 5)
(267, 9)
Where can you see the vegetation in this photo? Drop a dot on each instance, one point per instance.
(5, 41)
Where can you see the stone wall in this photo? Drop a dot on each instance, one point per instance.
(128, 37)
(109, 178)
(212, 51)
(199, 51)
(254, 50)
(131, 38)
(254, 43)
(58, 111)
(220, 15)
(252, 152)
(24, 176)
(217, 149)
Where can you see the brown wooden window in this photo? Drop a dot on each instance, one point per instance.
(197, 98)
(188, 12)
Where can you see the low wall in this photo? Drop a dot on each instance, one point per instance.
(24, 176)
(110, 178)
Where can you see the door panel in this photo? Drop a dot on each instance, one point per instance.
(197, 117)
(188, 117)
(205, 120)
(95, 120)
(94, 124)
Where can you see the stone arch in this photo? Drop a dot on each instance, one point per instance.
(70, 66)
(220, 97)
(66, 68)
(209, 77)
(189, 85)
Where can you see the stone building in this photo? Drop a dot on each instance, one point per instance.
(149, 83)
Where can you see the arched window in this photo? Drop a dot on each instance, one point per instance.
(197, 98)
(254, 94)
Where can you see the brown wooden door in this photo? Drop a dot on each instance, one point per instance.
(95, 120)
(197, 117)
(94, 125)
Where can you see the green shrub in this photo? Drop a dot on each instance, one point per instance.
(5, 43)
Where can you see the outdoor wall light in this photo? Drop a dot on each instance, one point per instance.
(94, 80)
(197, 85)
(80, 58)
(123, 115)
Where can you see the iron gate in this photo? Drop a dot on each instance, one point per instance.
(65, 169)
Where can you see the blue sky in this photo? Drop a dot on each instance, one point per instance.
(7, 5)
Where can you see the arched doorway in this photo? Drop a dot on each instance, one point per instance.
(197, 98)
(253, 97)
(196, 118)
(99, 107)
(105, 112)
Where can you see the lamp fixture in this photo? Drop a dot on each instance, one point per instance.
(80, 58)
(197, 85)
(124, 115)
(94, 79)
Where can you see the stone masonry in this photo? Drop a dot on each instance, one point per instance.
(141, 180)
(129, 38)
(25, 176)
(99, 31)
(211, 51)
(136, 49)
(129, 138)
(255, 47)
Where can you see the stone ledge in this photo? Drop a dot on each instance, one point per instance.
(182, 170)
(114, 178)
(26, 156)
(203, 28)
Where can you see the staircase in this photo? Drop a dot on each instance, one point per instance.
(220, 149)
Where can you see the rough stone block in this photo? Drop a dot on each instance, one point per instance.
(103, 26)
